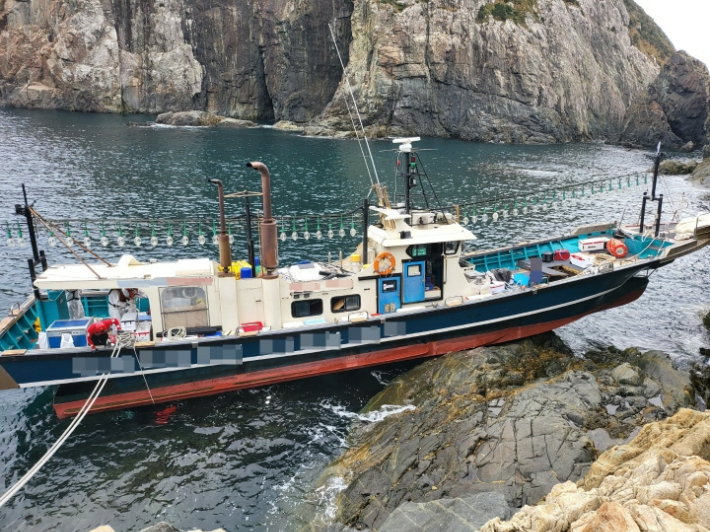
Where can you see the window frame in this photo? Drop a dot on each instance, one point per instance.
(311, 303)
(345, 305)
(456, 247)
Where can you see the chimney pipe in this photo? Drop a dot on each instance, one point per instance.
(225, 252)
(267, 228)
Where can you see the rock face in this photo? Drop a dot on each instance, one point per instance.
(674, 109)
(514, 420)
(522, 71)
(660, 481)
(533, 71)
(235, 58)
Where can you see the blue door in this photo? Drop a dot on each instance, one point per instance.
(388, 295)
(413, 282)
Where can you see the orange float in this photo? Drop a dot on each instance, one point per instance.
(388, 261)
(617, 248)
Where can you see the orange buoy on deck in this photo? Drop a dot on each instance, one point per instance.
(617, 248)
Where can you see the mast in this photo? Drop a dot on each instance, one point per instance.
(404, 156)
(656, 170)
(38, 257)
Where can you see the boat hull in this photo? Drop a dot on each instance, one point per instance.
(447, 331)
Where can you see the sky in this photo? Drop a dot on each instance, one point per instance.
(686, 22)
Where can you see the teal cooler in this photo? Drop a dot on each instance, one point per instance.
(76, 328)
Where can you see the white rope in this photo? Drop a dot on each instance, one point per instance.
(352, 120)
(122, 340)
(352, 95)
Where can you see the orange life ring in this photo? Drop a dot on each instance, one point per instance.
(391, 262)
(617, 248)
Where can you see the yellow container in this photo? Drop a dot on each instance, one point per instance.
(237, 268)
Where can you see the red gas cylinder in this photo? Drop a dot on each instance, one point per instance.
(561, 254)
(617, 248)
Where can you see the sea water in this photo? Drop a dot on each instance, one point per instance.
(249, 460)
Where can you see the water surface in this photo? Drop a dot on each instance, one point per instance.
(247, 460)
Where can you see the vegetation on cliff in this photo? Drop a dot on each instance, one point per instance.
(646, 35)
(515, 10)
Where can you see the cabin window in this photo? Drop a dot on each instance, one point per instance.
(345, 303)
(425, 250)
(307, 307)
(450, 248)
(415, 270)
(184, 306)
(418, 251)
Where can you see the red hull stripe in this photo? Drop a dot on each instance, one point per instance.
(312, 369)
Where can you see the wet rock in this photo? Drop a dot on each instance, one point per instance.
(659, 481)
(677, 167)
(450, 515)
(285, 125)
(234, 123)
(688, 147)
(511, 419)
(675, 107)
(200, 118)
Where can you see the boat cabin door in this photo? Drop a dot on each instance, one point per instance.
(413, 281)
(388, 294)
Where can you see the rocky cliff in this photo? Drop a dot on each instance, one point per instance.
(507, 70)
(254, 60)
(674, 110)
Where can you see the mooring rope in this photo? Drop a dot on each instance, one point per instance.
(123, 339)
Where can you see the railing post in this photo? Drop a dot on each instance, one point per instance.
(365, 224)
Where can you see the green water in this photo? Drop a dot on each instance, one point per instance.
(246, 460)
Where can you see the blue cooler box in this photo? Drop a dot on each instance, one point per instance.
(77, 329)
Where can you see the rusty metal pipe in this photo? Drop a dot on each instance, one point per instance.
(225, 251)
(267, 228)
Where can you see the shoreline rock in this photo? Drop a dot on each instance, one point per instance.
(677, 167)
(201, 119)
(658, 481)
(514, 420)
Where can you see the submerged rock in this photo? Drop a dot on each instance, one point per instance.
(514, 420)
(659, 481)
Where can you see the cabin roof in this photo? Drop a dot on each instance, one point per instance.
(128, 272)
(420, 234)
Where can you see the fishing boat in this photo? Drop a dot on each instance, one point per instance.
(413, 288)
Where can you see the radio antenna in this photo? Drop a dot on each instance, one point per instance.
(357, 111)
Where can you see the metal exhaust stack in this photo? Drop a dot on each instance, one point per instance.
(225, 252)
(267, 228)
